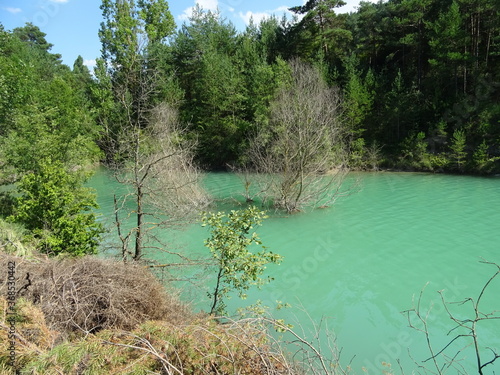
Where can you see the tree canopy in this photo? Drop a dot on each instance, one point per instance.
(416, 87)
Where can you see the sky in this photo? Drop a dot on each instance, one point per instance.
(72, 25)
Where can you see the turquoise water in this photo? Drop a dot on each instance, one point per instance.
(359, 263)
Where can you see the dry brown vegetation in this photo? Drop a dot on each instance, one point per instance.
(95, 316)
(200, 347)
(300, 159)
(91, 294)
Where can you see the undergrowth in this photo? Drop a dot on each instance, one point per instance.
(95, 316)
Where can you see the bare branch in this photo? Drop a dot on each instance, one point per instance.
(468, 324)
(300, 159)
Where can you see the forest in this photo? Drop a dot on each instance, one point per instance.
(405, 85)
(402, 85)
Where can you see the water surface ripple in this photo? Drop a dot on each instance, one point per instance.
(359, 263)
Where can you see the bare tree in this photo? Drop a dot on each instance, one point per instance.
(161, 178)
(300, 156)
(142, 139)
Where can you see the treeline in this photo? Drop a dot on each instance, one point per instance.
(419, 79)
(403, 84)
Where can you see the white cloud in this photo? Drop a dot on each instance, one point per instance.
(256, 16)
(185, 16)
(259, 16)
(205, 4)
(352, 6)
(13, 10)
(89, 63)
(208, 4)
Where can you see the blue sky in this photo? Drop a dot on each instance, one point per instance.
(72, 25)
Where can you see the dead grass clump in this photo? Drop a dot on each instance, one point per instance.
(201, 347)
(33, 336)
(132, 326)
(91, 294)
(237, 347)
(14, 239)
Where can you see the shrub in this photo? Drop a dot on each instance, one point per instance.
(57, 209)
(90, 294)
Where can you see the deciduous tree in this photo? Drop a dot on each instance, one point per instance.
(237, 266)
(302, 152)
(163, 182)
(144, 142)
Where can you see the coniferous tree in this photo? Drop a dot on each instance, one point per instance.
(47, 140)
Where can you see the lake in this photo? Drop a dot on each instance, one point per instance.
(357, 265)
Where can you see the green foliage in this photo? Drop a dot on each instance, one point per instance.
(14, 239)
(358, 99)
(33, 36)
(434, 63)
(447, 41)
(127, 24)
(82, 75)
(228, 83)
(480, 155)
(26, 71)
(222, 94)
(457, 148)
(363, 156)
(415, 152)
(238, 268)
(47, 129)
(130, 74)
(65, 134)
(482, 161)
(211, 76)
(395, 102)
(403, 67)
(322, 29)
(357, 153)
(158, 21)
(44, 111)
(55, 207)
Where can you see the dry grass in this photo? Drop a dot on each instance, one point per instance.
(94, 316)
(33, 336)
(201, 347)
(13, 239)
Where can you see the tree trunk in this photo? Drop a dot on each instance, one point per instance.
(138, 232)
(216, 292)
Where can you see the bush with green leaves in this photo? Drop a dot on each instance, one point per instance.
(57, 209)
(238, 268)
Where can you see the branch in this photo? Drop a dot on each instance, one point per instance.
(150, 349)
